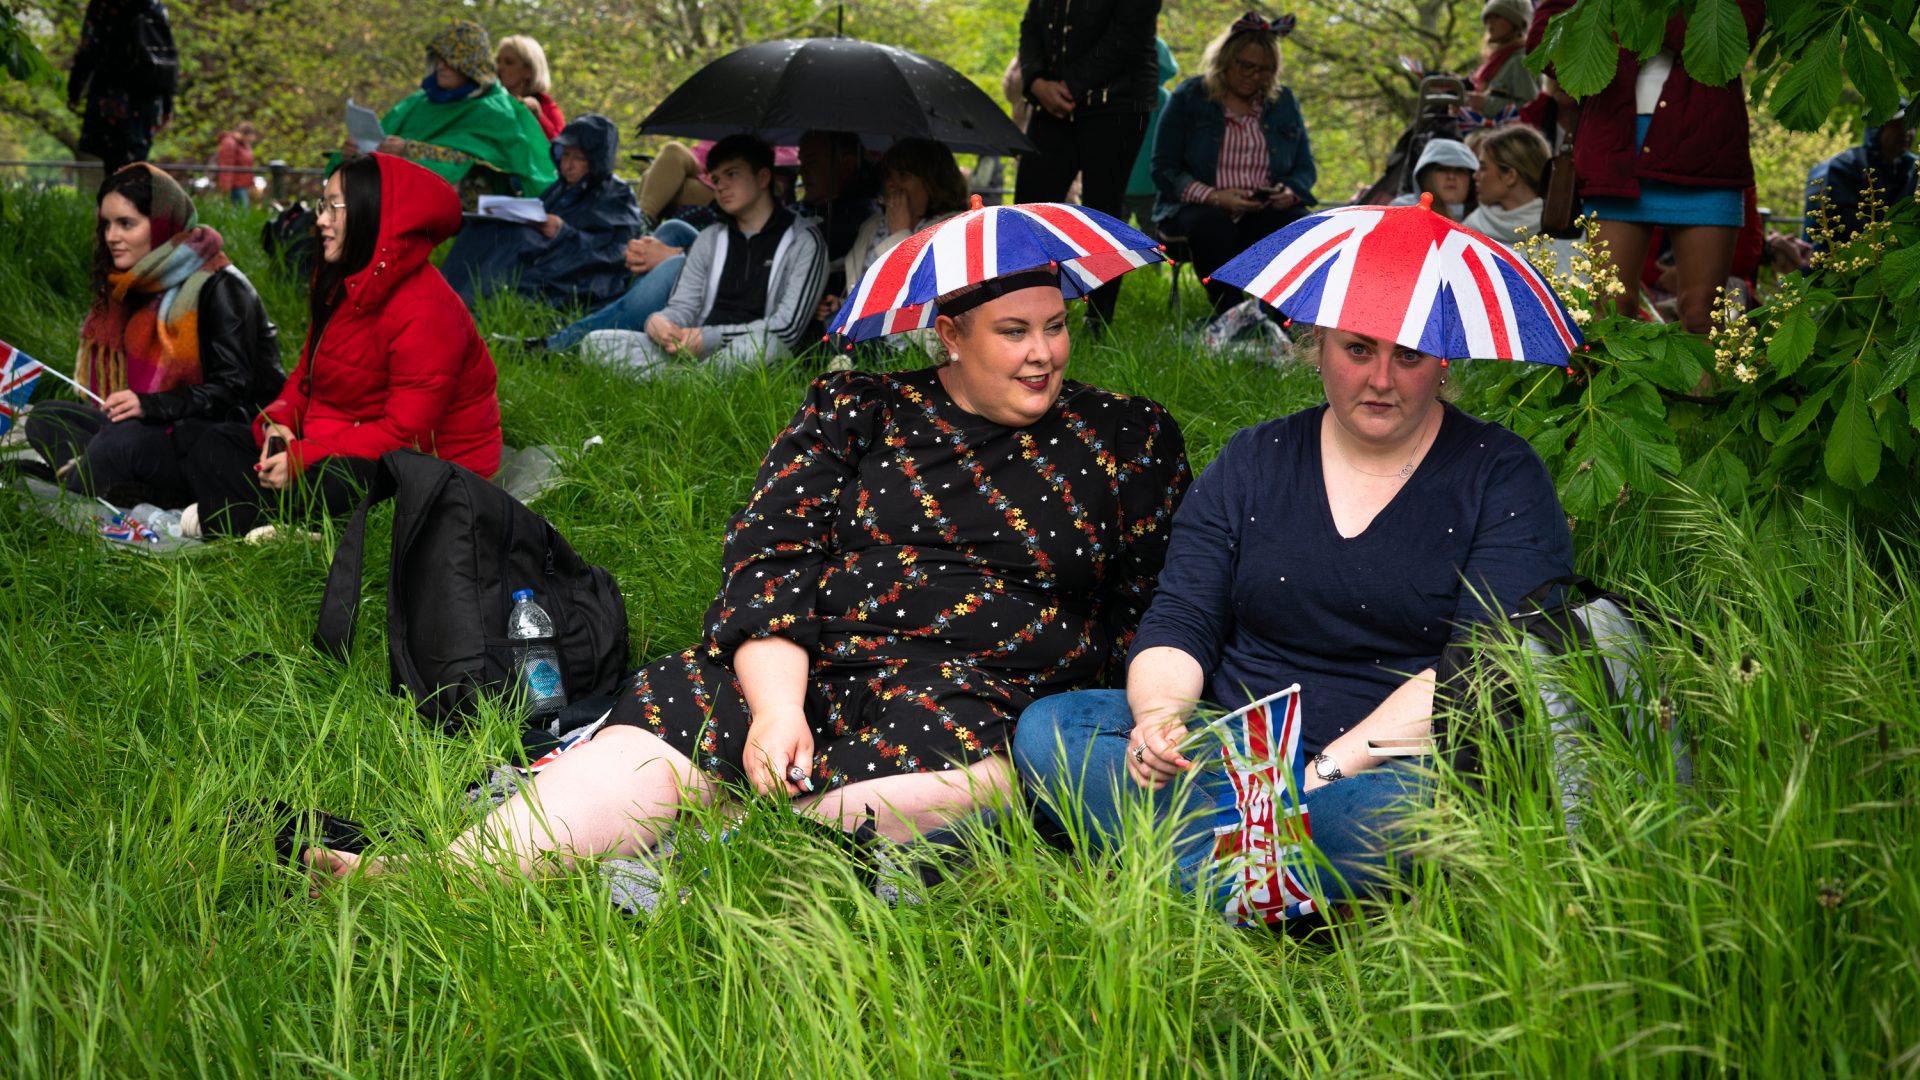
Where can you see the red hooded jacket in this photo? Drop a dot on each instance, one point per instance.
(400, 363)
(1697, 137)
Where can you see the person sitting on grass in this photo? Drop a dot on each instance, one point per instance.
(749, 285)
(880, 623)
(1445, 171)
(1340, 548)
(921, 186)
(176, 339)
(578, 254)
(465, 126)
(521, 65)
(827, 166)
(1513, 160)
(392, 360)
(837, 194)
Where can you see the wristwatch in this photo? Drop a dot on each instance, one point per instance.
(1327, 769)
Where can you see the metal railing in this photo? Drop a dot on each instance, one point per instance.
(282, 179)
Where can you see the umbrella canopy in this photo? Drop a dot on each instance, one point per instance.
(1408, 275)
(780, 90)
(897, 292)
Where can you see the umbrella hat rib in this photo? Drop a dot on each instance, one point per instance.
(1411, 276)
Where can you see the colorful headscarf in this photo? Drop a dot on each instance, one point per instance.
(153, 347)
(466, 49)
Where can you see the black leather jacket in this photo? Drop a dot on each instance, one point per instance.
(239, 358)
(1102, 49)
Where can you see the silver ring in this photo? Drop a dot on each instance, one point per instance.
(796, 774)
(1139, 755)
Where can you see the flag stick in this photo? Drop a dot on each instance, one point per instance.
(69, 381)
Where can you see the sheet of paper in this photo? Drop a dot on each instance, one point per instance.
(363, 127)
(508, 208)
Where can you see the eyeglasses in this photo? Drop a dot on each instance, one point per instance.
(1259, 71)
(334, 207)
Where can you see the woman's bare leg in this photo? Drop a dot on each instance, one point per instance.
(1702, 259)
(1627, 243)
(611, 795)
(909, 804)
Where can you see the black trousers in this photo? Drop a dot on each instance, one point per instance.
(1215, 237)
(1100, 150)
(125, 463)
(232, 502)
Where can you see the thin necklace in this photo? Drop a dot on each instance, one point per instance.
(1401, 474)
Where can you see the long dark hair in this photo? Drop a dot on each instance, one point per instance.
(360, 190)
(136, 186)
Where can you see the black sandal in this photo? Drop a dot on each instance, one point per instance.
(300, 830)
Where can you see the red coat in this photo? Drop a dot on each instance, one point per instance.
(549, 114)
(400, 362)
(1698, 134)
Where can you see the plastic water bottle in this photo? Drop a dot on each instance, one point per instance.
(537, 663)
(162, 522)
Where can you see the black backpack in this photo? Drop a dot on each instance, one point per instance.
(151, 64)
(1566, 621)
(461, 546)
(287, 238)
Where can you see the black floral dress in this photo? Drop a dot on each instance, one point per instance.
(942, 571)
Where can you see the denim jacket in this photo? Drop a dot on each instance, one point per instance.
(1187, 146)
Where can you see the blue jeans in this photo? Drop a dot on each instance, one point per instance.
(1076, 745)
(648, 293)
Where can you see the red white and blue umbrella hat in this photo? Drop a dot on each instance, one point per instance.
(1411, 276)
(899, 292)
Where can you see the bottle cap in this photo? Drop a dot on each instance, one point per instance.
(522, 594)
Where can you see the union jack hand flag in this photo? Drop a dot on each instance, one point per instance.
(1473, 118)
(1259, 827)
(897, 292)
(18, 373)
(1409, 275)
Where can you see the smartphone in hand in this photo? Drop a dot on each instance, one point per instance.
(275, 445)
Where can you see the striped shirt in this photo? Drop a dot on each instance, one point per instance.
(1243, 160)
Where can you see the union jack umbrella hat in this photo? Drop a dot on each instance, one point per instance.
(1411, 276)
(1085, 247)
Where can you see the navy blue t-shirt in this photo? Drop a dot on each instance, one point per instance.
(1261, 588)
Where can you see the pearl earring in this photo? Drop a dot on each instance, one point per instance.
(952, 357)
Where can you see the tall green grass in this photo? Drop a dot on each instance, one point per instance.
(1765, 921)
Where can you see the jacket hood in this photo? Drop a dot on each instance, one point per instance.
(418, 210)
(597, 138)
(1449, 152)
(1169, 67)
(466, 48)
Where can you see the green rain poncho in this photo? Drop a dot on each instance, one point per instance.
(487, 124)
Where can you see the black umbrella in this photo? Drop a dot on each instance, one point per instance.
(781, 89)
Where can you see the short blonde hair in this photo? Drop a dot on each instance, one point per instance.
(529, 52)
(1221, 51)
(1520, 148)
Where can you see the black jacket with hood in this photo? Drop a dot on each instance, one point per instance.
(585, 262)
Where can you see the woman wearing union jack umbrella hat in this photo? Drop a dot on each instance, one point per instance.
(1338, 548)
(925, 554)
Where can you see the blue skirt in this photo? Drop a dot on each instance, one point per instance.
(1661, 203)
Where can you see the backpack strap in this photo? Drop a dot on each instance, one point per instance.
(340, 604)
